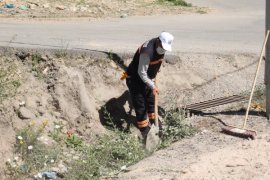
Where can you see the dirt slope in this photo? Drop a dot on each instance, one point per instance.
(73, 88)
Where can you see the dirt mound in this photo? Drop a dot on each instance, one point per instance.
(57, 90)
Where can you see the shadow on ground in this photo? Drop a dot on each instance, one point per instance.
(117, 113)
(240, 112)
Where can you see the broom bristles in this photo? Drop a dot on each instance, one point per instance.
(243, 133)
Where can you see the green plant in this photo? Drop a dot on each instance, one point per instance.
(258, 99)
(107, 156)
(73, 140)
(9, 78)
(60, 54)
(31, 155)
(57, 132)
(201, 11)
(36, 63)
(177, 2)
(259, 93)
(82, 2)
(175, 127)
(27, 137)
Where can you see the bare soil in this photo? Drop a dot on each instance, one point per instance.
(90, 9)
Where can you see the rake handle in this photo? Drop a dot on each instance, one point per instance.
(255, 78)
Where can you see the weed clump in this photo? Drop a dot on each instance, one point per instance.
(177, 2)
(30, 154)
(175, 127)
(108, 156)
(9, 78)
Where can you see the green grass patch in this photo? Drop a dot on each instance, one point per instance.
(61, 54)
(177, 2)
(37, 65)
(9, 78)
(109, 155)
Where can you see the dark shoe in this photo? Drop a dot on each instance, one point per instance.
(152, 121)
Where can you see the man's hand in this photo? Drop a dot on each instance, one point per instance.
(155, 91)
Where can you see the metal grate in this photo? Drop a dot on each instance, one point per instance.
(215, 102)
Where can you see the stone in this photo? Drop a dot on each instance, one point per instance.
(57, 114)
(25, 113)
(32, 6)
(41, 110)
(123, 16)
(59, 7)
(113, 65)
(22, 104)
(46, 6)
(83, 9)
(73, 9)
(61, 168)
(47, 140)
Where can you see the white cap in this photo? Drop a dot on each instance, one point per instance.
(166, 40)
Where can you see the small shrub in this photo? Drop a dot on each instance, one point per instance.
(61, 54)
(28, 137)
(57, 132)
(37, 67)
(73, 140)
(178, 2)
(259, 93)
(258, 98)
(175, 127)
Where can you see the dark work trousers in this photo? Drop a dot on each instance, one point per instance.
(142, 98)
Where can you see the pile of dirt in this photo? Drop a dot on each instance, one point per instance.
(89, 8)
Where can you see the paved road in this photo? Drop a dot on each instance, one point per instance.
(230, 6)
(234, 26)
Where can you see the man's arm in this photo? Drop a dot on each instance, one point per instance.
(142, 70)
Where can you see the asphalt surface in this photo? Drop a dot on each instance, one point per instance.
(232, 26)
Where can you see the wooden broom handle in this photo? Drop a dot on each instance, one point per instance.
(255, 78)
(156, 103)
